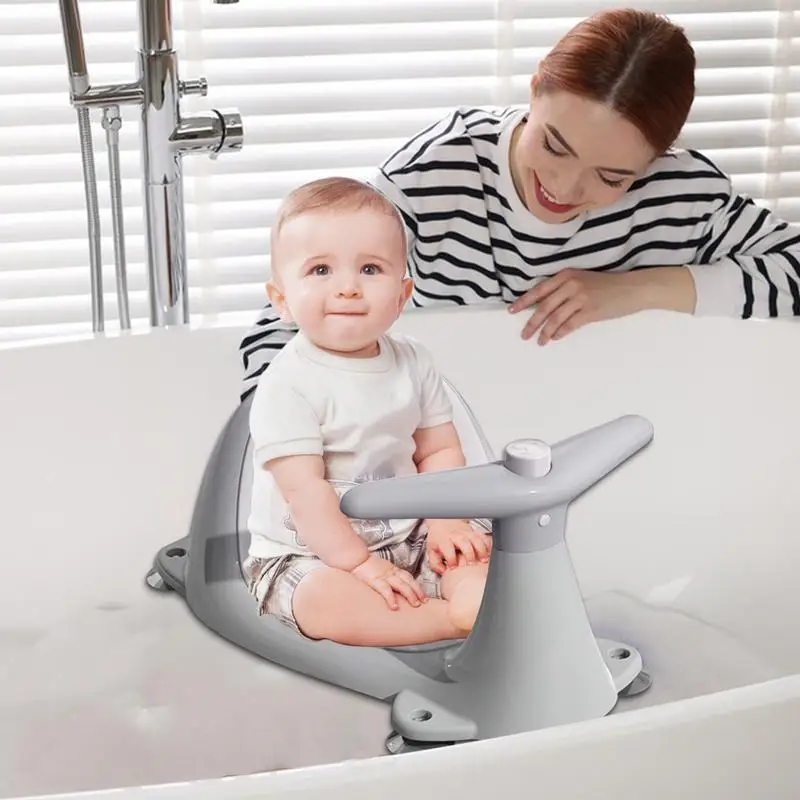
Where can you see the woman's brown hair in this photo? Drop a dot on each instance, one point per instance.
(636, 62)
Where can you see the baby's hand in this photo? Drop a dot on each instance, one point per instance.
(448, 537)
(386, 579)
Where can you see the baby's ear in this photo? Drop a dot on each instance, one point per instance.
(408, 286)
(278, 301)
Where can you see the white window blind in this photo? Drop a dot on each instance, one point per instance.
(324, 87)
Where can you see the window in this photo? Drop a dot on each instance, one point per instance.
(323, 88)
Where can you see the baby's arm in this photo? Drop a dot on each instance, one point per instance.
(287, 441)
(437, 442)
(314, 507)
(449, 540)
(438, 447)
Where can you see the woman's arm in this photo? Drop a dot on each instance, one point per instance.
(668, 288)
(748, 264)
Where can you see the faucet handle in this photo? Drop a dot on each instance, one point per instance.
(231, 132)
(213, 132)
(197, 86)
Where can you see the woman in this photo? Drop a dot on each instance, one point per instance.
(562, 206)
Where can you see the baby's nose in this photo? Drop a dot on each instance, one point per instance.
(348, 286)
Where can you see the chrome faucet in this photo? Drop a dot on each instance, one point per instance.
(166, 134)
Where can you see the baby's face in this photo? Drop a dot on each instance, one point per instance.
(341, 278)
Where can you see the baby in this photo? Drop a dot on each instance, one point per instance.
(345, 402)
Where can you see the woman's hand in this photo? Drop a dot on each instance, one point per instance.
(575, 297)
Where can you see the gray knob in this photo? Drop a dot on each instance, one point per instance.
(531, 458)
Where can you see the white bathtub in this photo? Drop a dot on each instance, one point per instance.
(689, 552)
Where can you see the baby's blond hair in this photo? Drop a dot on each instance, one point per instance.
(331, 194)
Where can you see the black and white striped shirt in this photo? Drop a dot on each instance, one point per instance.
(473, 241)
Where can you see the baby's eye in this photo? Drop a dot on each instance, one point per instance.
(371, 269)
(319, 269)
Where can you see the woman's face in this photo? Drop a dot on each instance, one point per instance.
(573, 155)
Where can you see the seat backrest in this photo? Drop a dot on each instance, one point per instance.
(476, 447)
(473, 441)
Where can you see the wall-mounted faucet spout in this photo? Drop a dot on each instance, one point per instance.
(166, 135)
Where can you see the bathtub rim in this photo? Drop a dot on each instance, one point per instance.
(517, 747)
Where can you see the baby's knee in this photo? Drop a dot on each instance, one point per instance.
(464, 573)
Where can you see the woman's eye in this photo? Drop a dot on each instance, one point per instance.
(614, 184)
(549, 148)
(606, 181)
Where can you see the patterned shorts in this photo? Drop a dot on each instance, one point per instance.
(272, 581)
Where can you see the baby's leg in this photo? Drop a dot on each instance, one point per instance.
(462, 587)
(332, 604)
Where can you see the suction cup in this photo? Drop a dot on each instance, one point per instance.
(639, 685)
(623, 661)
(397, 744)
(154, 580)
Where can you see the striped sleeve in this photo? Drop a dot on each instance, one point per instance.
(407, 171)
(435, 180)
(260, 345)
(748, 264)
(389, 189)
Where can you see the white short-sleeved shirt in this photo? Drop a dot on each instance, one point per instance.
(359, 414)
